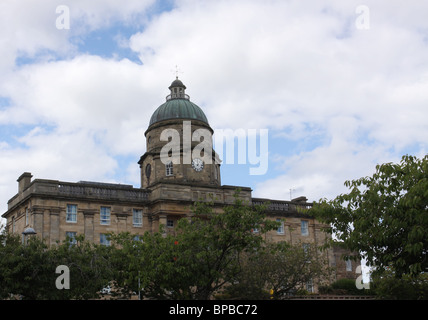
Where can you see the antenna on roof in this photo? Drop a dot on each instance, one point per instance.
(177, 71)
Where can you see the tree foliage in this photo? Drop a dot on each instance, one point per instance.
(277, 270)
(387, 286)
(23, 269)
(28, 271)
(384, 216)
(203, 255)
(89, 266)
(211, 249)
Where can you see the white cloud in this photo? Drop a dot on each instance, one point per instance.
(321, 173)
(107, 96)
(278, 64)
(29, 28)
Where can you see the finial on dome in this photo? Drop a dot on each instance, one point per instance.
(177, 71)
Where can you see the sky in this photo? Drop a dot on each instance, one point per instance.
(337, 86)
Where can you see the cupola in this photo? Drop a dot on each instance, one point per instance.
(178, 106)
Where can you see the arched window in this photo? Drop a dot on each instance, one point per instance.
(169, 169)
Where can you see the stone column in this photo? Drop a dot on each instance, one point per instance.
(122, 222)
(54, 227)
(38, 222)
(88, 216)
(162, 220)
(121, 218)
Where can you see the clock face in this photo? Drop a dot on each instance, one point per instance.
(197, 164)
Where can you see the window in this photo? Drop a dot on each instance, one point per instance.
(137, 238)
(105, 215)
(137, 217)
(71, 213)
(348, 265)
(170, 223)
(304, 228)
(104, 240)
(169, 169)
(71, 236)
(310, 286)
(280, 229)
(148, 170)
(306, 247)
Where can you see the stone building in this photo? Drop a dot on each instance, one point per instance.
(172, 179)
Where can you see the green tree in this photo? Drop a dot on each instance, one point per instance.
(25, 270)
(387, 286)
(28, 271)
(279, 269)
(291, 266)
(161, 277)
(204, 253)
(89, 268)
(385, 216)
(126, 261)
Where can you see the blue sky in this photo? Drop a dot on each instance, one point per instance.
(336, 93)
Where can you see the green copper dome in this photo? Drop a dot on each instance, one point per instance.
(178, 106)
(178, 109)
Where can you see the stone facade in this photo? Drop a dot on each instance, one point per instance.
(57, 209)
(47, 205)
(182, 171)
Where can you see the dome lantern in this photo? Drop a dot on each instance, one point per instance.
(178, 106)
(177, 89)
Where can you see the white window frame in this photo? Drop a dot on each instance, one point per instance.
(169, 169)
(256, 229)
(71, 216)
(280, 229)
(170, 223)
(137, 238)
(306, 247)
(310, 286)
(137, 217)
(72, 236)
(105, 214)
(304, 227)
(104, 240)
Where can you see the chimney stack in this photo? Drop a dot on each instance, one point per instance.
(24, 181)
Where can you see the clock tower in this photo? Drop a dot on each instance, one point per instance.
(179, 146)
